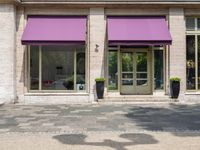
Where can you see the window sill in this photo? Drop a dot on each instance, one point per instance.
(112, 91)
(192, 93)
(57, 94)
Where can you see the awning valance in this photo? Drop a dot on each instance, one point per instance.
(138, 31)
(54, 30)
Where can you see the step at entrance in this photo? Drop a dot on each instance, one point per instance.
(137, 98)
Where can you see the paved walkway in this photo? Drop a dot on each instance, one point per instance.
(80, 118)
(100, 127)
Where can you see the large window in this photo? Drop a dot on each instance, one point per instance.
(34, 67)
(158, 68)
(113, 70)
(193, 53)
(57, 68)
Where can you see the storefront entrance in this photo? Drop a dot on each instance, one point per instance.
(135, 71)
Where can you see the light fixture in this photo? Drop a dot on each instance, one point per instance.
(96, 48)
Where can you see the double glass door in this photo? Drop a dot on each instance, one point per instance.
(136, 71)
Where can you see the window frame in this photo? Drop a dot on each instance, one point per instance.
(40, 90)
(195, 33)
(163, 49)
(117, 49)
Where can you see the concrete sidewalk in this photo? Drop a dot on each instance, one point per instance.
(100, 141)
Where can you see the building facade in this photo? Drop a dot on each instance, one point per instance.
(52, 51)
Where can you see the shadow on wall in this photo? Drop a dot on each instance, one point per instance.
(171, 119)
(132, 139)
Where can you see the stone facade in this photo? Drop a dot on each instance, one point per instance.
(177, 51)
(20, 57)
(13, 55)
(97, 34)
(7, 53)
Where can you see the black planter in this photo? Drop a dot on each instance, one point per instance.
(174, 89)
(100, 89)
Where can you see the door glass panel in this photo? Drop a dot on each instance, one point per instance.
(127, 75)
(142, 75)
(127, 82)
(190, 65)
(142, 82)
(113, 70)
(127, 68)
(141, 60)
(127, 62)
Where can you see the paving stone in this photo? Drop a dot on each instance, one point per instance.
(99, 118)
(24, 124)
(48, 124)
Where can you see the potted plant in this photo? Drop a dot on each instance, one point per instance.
(100, 87)
(174, 86)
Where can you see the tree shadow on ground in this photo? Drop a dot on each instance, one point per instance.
(171, 119)
(132, 139)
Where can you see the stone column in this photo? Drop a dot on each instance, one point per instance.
(7, 53)
(97, 34)
(177, 51)
(21, 57)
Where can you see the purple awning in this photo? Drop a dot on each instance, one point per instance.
(54, 30)
(138, 31)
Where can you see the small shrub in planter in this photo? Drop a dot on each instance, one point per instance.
(100, 87)
(174, 87)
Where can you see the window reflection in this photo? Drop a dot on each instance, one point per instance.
(141, 82)
(62, 68)
(141, 61)
(190, 23)
(57, 68)
(158, 70)
(80, 71)
(127, 62)
(127, 68)
(113, 70)
(190, 64)
(127, 82)
(198, 62)
(198, 23)
(34, 67)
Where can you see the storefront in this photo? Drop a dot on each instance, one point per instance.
(57, 52)
(132, 43)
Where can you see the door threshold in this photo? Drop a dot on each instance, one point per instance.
(138, 98)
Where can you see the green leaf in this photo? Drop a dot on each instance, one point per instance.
(100, 79)
(175, 79)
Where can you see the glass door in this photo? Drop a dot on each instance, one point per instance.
(127, 73)
(136, 71)
(143, 72)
